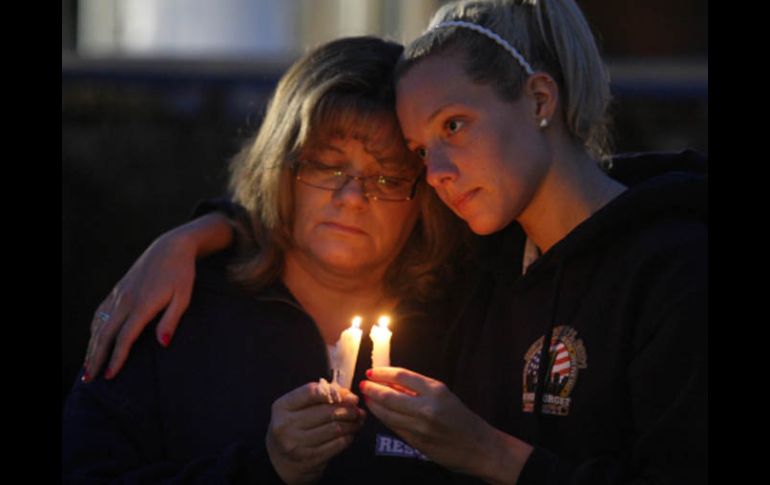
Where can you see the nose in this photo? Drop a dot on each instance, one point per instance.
(440, 168)
(351, 194)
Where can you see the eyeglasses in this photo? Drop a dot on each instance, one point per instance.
(376, 187)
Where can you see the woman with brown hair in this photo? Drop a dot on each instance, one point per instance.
(337, 222)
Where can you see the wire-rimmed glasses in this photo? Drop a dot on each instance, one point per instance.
(376, 187)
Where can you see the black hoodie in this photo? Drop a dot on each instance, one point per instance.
(624, 298)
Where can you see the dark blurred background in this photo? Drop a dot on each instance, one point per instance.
(157, 95)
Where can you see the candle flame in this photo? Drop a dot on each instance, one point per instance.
(384, 321)
(356, 322)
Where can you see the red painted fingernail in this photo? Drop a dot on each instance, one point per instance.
(86, 377)
(108, 374)
(165, 339)
(369, 374)
(361, 385)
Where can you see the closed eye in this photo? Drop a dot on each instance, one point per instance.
(323, 168)
(387, 181)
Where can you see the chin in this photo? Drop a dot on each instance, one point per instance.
(484, 225)
(344, 260)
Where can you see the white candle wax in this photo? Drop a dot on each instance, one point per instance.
(346, 354)
(380, 336)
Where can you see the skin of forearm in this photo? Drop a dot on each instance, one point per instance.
(208, 234)
(504, 458)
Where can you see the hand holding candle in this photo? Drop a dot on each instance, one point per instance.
(346, 353)
(380, 336)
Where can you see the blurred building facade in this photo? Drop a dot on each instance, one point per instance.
(238, 28)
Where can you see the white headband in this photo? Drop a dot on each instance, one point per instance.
(483, 30)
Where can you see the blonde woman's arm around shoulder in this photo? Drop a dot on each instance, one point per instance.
(161, 279)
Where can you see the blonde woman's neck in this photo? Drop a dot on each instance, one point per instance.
(573, 189)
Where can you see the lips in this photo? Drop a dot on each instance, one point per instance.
(344, 228)
(459, 203)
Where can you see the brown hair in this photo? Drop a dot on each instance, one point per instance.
(343, 87)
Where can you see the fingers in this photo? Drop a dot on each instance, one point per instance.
(307, 458)
(307, 395)
(405, 378)
(328, 450)
(117, 333)
(391, 418)
(307, 448)
(327, 432)
(99, 319)
(301, 397)
(391, 399)
(130, 331)
(318, 415)
(170, 320)
(105, 326)
(316, 455)
(347, 397)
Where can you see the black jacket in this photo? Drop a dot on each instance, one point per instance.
(198, 411)
(624, 297)
(632, 287)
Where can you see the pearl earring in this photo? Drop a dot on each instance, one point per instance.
(544, 123)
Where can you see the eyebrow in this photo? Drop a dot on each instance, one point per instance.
(322, 146)
(433, 116)
(326, 146)
(440, 109)
(396, 163)
(388, 162)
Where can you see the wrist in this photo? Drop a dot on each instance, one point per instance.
(181, 240)
(202, 236)
(504, 458)
(217, 233)
(277, 460)
(289, 470)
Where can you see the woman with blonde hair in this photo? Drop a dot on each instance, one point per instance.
(590, 367)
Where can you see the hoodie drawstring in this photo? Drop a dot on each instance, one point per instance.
(545, 364)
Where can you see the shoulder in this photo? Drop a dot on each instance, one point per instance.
(670, 244)
(662, 261)
(662, 219)
(635, 168)
(667, 263)
(219, 304)
(670, 236)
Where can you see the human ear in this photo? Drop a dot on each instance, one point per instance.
(542, 89)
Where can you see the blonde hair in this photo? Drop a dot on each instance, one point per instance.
(552, 35)
(344, 87)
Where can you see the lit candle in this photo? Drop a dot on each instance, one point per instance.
(380, 336)
(346, 353)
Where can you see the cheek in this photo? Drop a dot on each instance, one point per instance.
(303, 211)
(400, 222)
(517, 164)
(409, 219)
